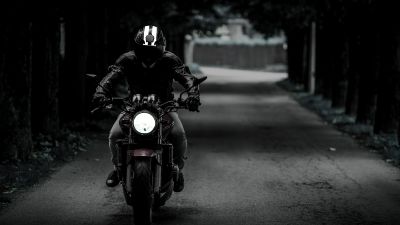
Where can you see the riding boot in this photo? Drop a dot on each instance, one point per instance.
(180, 183)
(112, 179)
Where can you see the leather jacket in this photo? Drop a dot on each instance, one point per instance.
(155, 79)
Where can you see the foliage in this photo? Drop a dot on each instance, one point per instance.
(63, 146)
(386, 144)
(49, 152)
(269, 17)
(175, 16)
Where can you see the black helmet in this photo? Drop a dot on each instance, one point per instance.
(149, 44)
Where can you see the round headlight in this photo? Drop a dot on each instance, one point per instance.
(144, 123)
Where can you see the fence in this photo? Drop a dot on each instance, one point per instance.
(265, 57)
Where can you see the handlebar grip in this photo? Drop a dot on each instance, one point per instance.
(109, 101)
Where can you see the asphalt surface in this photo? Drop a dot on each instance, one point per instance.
(256, 157)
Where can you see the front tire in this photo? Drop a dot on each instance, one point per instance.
(142, 192)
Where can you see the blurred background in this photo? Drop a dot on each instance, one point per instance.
(46, 50)
(346, 52)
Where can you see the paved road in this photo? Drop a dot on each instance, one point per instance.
(256, 157)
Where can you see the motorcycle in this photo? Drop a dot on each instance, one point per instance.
(145, 166)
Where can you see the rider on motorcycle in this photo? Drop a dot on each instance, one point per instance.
(149, 69)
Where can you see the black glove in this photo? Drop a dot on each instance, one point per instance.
(193, 102)
(98, 100)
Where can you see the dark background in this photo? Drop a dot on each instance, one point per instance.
(46, 50)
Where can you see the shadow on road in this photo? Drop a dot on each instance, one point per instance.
(165, 215)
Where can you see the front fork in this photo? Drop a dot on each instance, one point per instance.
(160, 159)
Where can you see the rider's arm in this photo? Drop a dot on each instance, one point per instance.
(114, 75)
(181, 72)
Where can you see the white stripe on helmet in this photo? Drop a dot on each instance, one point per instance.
(154, 33)
(145, 33)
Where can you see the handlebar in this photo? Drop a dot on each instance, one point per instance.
(177, 104)
(173, 104)
(110, 101)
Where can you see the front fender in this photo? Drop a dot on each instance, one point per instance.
(142, 152)
(151, 155)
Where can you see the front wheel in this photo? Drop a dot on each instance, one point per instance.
(142, 192)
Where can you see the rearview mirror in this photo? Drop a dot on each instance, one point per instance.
(200, 79)
(91, 75)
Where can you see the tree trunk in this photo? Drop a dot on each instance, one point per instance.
(333, 61)
(117, 39)
(339, 62)
(45, 83)
(353, 75)
(73, 90)
(368, 79)
(98, 50)
(387, 113)
(311, 59)
(368, 66)
(295, 54)
(98, 36)
(305, 79)
(323, 63)
(15, 85)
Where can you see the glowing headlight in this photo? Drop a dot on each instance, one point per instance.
(144, 123)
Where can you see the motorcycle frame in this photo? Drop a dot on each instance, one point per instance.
(160, 155)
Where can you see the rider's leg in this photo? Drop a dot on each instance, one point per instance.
(179, 141)
(115, 134)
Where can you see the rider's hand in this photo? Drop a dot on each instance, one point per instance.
(193, 102)
(98, 100)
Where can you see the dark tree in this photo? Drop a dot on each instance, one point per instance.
(291, 16)
(15, 84)
(73, 91)
(45, 69)
(387, 114)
